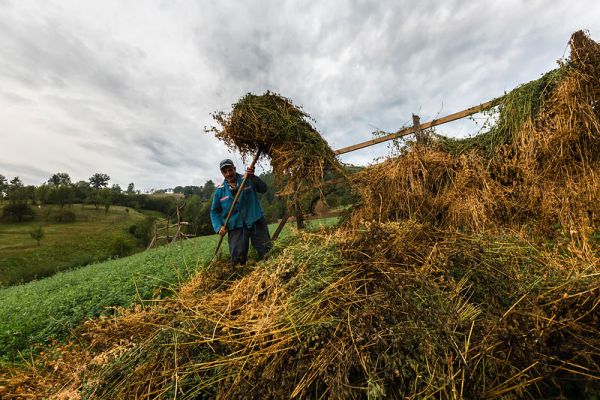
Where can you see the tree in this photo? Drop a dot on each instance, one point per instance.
(42, 194)
(98, 180)
(3, 187)
(82, 189)
(60, 178)
(37, 234)
(93, 197)
(16, 182)
(17, 193)
(197, 213)
(61, 195)
(208, 190)
(106, 197)
(18, 211)
(131, 188)
(120, 245)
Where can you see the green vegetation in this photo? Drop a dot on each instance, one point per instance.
(274, 125)
(65, 245)
(513, 110)
(38, 311)
(37, 234)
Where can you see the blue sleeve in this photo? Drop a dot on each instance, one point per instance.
(215, 212)
(259, 185)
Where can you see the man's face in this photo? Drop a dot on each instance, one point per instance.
(229, 173)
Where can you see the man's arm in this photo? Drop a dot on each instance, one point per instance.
(215, 212)
(259, 185)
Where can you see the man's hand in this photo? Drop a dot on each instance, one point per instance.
(223, 230)
(250, 171)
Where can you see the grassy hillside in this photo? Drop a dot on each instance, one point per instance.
(65, 245)
(38, 311)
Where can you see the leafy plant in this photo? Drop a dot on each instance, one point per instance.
(37, 234)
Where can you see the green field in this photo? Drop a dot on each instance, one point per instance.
(65, 245)
(38, 311)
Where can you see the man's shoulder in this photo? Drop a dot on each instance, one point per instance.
(219, 189)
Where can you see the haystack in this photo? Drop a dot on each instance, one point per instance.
(395, 310)
(438, 286)
(536, 169)
(273, 124)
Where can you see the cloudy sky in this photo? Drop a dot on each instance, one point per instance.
(126, 87)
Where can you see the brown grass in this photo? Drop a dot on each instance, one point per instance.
(544, 177)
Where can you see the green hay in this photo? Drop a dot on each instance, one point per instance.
(512, 111)
(392, 310)
(273, 124)
(404, 301)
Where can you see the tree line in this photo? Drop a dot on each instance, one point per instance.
(61, 191)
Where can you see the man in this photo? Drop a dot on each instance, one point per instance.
(247, 222)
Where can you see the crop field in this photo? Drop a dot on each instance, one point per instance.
(37, 312)
(64, 245)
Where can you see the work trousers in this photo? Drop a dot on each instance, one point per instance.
(239, 239)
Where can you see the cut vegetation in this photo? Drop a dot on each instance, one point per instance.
(467, 270)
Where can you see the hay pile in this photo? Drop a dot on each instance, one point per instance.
(396, 310)
(537, 169)
(273, 124)
(451, 280)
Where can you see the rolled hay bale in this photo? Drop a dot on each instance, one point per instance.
(273, 124)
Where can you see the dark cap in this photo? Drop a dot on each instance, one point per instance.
(226, 163)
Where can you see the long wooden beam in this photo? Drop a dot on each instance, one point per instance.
(403, 132)
(426, 125)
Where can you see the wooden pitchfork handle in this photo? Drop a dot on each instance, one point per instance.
(235, 199)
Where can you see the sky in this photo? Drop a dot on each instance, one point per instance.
(126, 87)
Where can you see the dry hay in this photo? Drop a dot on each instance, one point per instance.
(429, 186)
(273, 124)
(434, 289)
(537, 168)
(396, 310)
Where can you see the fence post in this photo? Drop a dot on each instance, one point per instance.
(421, 137)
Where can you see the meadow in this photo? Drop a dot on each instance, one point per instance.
(40, 311)
(64, 245)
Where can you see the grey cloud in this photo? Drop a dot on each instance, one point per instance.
(355, 66)
(26, 171)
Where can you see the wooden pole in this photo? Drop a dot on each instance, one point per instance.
(421, 139)
(235, 199)
(297, 210)
(426, 125)
(286, 215)
(282, 223)
(403, 132)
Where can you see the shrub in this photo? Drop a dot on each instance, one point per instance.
(120, 245)
(144, 230)
(62, 216)
(133, 229)
(37, 234)
(17, 212)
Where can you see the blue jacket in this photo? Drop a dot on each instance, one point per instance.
(247, 210)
